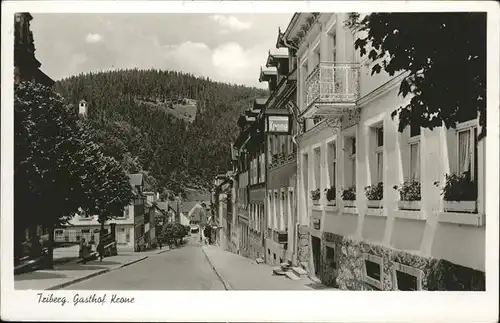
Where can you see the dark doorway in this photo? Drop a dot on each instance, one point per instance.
(316, 251)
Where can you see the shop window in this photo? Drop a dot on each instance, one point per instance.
(406, 278)
(373, 271)
(405, 281)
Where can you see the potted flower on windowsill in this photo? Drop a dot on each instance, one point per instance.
(375, 195)
(349, 196)
(460, 193)
(331, 195)
(315, 196)
(409, 195)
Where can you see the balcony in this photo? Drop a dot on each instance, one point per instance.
(331, 88)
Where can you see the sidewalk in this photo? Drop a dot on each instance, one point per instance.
(66, 274)
(241, 273)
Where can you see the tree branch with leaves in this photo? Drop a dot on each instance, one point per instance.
(444, 55)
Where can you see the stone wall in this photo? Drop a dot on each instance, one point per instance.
(437, 274)
(303, 252)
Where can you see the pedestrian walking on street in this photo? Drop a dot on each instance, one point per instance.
(100, 250)
(159, 243)
(85, 251)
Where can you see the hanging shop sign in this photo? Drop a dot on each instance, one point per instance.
(278, 124)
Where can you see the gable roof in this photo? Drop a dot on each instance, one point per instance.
(162, 205)
(199, 214)
(185, 207)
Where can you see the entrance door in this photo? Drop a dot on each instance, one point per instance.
(316, 250)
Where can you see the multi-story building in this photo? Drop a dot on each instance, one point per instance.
(356, 230)
(130, 227)
(281, 152)
(242, 177)
(26, 66)
(256, 157)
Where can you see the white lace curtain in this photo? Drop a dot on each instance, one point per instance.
(463, 151)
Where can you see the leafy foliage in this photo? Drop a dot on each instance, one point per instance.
(349, 194)
(444, 55)
(459, 188)
(409, 191)
(174, 231)
(58, 167)
(375, 192)
(316, 194)
(145, 137)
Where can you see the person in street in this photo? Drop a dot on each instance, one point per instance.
(85, 251)
(159, 243)
(100, 250)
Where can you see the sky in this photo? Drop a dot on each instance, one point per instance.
(224, 47)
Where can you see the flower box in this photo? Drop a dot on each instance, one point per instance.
(349, 203)
(331, 203)
(316, 202)
(460, 206)
(409, 205)
(375, 204)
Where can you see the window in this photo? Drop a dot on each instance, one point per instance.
(406, 282)
(350, 161)
(317, 168)
(59, 233)
(414, 131)
(380, 137)
(467, 151)
(414, 161)
(282, 211)
(332, 164)
(303, 77)
(406, 278)
(379, 155)
(373, 270)
(269, 210)
(262, 168)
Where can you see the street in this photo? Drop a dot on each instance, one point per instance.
(186, 268)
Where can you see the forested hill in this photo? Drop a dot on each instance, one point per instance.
(146, 119)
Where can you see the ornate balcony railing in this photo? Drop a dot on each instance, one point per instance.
(331, 87)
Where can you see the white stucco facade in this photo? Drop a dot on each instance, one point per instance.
(428, 230)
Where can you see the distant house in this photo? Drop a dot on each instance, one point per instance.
(130, 226)
(198, 212)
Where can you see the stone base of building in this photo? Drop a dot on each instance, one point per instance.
(344, 268)
(303, 252)
(275, 253)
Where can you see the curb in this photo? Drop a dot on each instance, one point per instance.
(163, 251)
(78, 280)
(98, 273)
(226, 284)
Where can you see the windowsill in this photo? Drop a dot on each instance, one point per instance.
(375, 212)
(469, 207)
(410, 215)
(409, 205)
(375, 204)
(472, 219)
(331, 208)
(317, 207)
